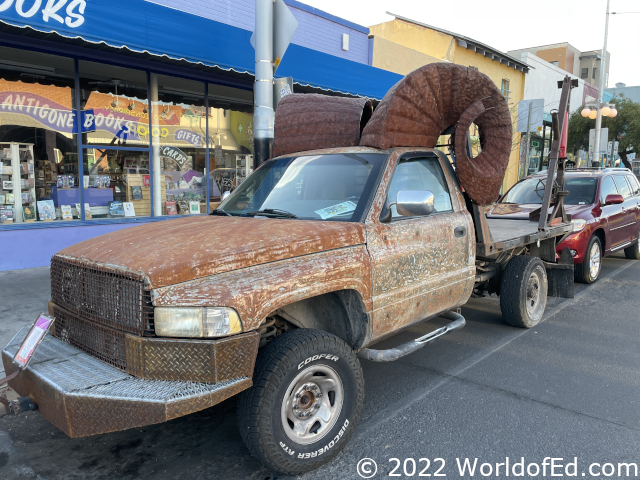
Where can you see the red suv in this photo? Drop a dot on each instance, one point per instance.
(605, 211)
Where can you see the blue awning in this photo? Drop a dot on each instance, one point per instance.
(142, 26)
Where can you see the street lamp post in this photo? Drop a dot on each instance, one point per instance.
(596, 153)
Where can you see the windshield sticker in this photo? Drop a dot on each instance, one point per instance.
(336, 210)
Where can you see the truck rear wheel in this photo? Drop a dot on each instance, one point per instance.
(523, 291)
(305, 402)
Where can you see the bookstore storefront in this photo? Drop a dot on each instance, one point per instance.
(83, 140)
(105, 124)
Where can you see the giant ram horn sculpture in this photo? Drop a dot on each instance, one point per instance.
(422, 105)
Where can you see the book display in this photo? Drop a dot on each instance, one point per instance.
(18, 180)
(139, 194)
(46, 177)
(87, 211)
(116, 208)
(171, 208)
(129, 210)
(28, 213)
(6, 213)
(46, 210)
(185, 186)
(65, 210)
(136, 192)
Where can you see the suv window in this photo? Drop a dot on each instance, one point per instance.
(420, 174)
(623, 186)
(607, 187)
(635, 186)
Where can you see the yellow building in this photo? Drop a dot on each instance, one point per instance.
(402, 45)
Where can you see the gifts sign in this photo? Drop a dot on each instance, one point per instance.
(37, 332)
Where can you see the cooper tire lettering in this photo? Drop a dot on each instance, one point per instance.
(318, 357)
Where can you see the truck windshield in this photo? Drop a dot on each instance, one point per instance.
(314, 187)
(582, 191)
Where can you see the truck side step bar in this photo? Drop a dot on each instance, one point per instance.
(457, 322)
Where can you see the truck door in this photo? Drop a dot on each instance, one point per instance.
(421, 266)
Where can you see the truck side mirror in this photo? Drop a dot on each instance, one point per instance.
(614, 199)
(411, 203)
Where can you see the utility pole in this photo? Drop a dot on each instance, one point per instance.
(601, 89)
(263, 113)
(275, 26)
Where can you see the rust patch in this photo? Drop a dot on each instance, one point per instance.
(257, 291)
(180, 250)
(416, 111)
(312, 121)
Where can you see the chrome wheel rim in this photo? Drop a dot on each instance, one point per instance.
(535, 298)
(594, 261)
(312, 404)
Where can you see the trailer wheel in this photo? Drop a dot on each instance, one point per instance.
(305, 402)
(523, 291)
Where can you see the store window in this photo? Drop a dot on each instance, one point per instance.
(37, 142)
(117, 184)
(230, 139)
(584, 73)
(179, 145)
(114, 105)
(115, 115)
(120, 143)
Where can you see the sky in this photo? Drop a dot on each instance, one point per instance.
(511, 25)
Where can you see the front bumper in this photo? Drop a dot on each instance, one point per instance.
(576, 242)
(83, 396)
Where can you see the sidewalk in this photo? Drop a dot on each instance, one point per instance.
(23, 296)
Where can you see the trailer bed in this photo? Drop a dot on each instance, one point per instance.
(506, 234)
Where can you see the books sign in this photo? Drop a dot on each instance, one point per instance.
(37, 332)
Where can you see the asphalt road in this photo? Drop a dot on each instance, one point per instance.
(569, 388)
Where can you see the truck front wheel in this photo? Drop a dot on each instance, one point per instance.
(305, 402)
(523, 291)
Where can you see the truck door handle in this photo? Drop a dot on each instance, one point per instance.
(460, 231)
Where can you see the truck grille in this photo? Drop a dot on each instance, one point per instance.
(99, 304)
(101, 342)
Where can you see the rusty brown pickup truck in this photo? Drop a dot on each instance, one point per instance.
(313, 259)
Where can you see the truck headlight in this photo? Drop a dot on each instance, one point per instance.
(578, 225)
(194, 322)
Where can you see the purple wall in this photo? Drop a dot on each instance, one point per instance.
(314, 31)
(28, 248)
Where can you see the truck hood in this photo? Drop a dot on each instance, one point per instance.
(174, 251)
(521, 211)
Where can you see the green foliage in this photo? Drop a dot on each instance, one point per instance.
(624, 128)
